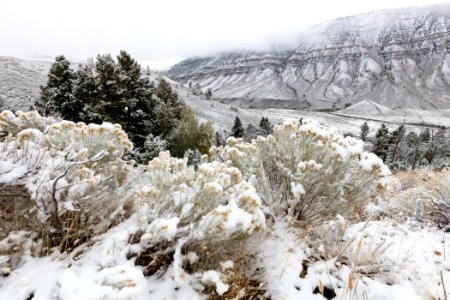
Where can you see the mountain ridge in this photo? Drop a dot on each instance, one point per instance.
(398, 58)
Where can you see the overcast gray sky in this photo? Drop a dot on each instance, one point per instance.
(162, 31)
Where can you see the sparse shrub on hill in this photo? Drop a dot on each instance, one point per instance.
(308, 172)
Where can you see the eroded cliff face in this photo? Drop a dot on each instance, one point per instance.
(399, 58)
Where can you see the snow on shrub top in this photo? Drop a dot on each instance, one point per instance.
(306, 170)
(77, 165)
(210, 203)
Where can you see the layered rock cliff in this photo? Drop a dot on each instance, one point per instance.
(398, 58)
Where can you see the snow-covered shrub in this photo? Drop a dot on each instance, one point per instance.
(201, 211)
(425, 195)
(11, 123)
(333, 241)
(152, 146)
(74, 172)
(306, 170)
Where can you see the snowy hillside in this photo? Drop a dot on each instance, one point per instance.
(397, 58)
(20, 80)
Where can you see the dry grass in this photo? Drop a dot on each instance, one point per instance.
(242, 285)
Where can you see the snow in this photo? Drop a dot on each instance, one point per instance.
(163, 228)
(366, 107)
(10, 171)
(214, 277)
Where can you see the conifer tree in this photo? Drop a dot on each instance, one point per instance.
(84, 96)
(364, 131)
(58, 90)
(208, 94)
(425, 135)
(266, 126)
(237, 130)
(168, 110)
(136, 99)
(218, 139)
(395, 139)
(109, 104)
(381, 143)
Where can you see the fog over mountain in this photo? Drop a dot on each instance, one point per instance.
(398, 58)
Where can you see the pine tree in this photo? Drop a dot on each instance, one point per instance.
(218, 139)
(381, 143)
(208, 94)
(168, 110)
(152, 146)
(84, 96)
(252, 132)
(237, 130)
(58, 90)
(436, 146)
(425, 135)
(364, 131)
(136, 99)
(395, 139)
(109, 105)
(266, 126)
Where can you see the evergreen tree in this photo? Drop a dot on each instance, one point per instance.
(110, 103)
(436, 146)
(208, 94)
(168, 110)
(364, 131)
(425, 135)
(58, 90)
(84, 96)
(218, 139)
(266, 126)
(136, 99)
(152, 146)
(381, 143)
(395, 139)
(252, 132)
(237, 130)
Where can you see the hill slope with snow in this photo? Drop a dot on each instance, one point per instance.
(398, 58)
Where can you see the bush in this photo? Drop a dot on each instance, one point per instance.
(74, 172)
(207, 213)
(307, 171)
(425, 196)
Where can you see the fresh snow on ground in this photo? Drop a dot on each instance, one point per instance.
(410, 267)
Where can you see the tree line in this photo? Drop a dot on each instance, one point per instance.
(403, 150)
(108, 90)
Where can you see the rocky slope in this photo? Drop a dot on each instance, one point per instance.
(398, 58)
